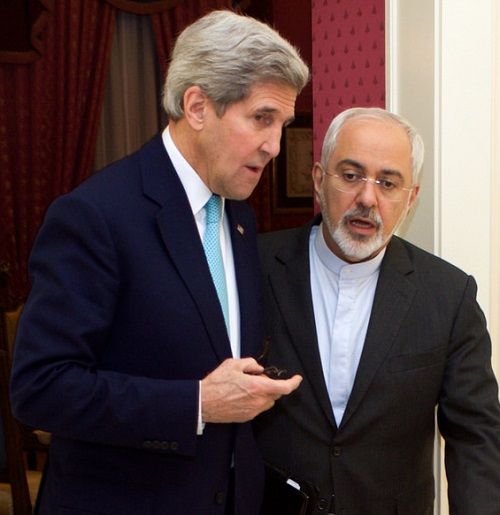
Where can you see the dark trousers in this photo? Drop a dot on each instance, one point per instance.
(230, 495)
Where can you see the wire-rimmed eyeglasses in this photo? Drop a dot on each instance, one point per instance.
(352, 182)
(270, 371)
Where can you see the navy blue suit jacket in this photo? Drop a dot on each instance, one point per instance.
(122, 322)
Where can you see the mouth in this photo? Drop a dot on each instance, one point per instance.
(363, 226)
(255, 169)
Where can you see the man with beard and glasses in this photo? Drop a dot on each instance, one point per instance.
(385, 336)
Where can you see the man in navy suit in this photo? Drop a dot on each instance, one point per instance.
(382, 333)
(123, 352)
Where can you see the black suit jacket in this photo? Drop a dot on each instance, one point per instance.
(122, 322)
(426, 346)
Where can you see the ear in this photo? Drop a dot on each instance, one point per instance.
(317, 178)
(195, 104)
(413, 195)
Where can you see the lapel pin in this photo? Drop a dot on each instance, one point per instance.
(240, 229)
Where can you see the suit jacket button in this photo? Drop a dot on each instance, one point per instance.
(219, 498)
(147, 444)
(322, 504)
(165, 446)
(174, 446)
(337, 451)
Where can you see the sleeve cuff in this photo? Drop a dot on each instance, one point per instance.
(200, 426)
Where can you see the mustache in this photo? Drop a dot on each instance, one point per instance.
(362, 212)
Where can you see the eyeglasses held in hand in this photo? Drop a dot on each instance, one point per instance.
(272, 371)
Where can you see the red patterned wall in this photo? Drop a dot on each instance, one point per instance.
(348, 59)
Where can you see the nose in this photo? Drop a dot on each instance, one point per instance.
(271, 145)
(367, 195)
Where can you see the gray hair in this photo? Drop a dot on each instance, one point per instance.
(331, 136)
(225, 54)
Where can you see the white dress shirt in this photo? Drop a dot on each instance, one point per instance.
(342, 295)
(198, 194)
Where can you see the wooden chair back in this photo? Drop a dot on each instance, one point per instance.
(18, 486)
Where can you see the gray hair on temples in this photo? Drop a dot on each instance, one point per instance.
(225, 54)
(359, 113)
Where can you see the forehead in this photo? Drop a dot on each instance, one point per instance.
(375, 144)
(271, 96)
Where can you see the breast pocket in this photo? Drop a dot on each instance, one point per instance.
(408, 362)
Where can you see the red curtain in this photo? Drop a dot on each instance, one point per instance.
(50, 110)
(49, 116)
(144, 6)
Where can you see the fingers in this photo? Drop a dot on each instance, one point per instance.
(291, 384)
(248, 366)
(237, 391)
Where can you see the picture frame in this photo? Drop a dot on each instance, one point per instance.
(292, 188)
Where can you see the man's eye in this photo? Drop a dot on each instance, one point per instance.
(386, 184)
(351, 177)
(263, 119)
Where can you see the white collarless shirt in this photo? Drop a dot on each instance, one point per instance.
(342, 295)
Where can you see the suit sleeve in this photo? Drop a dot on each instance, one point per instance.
(469, 414)
(59, 383)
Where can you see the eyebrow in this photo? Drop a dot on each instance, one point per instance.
(360, 167)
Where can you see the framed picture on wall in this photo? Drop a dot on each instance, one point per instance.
(291, 183)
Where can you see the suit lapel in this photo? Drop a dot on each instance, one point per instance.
(246, 263)
(392, 300)
(291, 288)
(182, 241)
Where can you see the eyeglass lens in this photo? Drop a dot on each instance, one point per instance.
(390, 189)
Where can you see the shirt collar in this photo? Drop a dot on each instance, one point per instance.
(196, 190)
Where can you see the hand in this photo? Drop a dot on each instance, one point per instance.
(237, 391)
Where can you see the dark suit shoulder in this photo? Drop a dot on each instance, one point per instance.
(432, 275)
(425, 260)
(276, 239)
(294, 240)
(125, 172)
(122, 185)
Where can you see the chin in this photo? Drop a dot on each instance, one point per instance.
(356, 251)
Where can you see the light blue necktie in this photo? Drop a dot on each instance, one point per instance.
(211, 244)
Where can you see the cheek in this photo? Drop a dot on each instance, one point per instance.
(235, 144)
(336, 206)
(224, 148)
(390, 218)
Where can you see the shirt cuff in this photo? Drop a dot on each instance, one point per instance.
(200, 426)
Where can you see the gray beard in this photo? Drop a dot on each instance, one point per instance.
(355, 246)
(358, 247)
